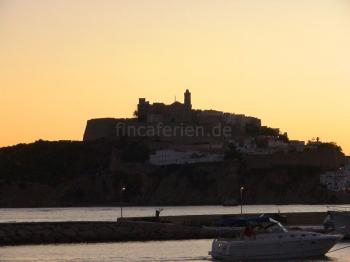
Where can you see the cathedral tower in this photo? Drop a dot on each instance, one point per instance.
(187, 100)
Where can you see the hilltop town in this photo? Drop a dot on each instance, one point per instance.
(179, 134)
(173, 155)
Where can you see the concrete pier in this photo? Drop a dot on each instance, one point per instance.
(293, 219)
(131, 229)
(78, 232)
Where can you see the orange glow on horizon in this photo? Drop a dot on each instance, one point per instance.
(64, 62)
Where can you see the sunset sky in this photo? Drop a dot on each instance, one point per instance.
(63, 62)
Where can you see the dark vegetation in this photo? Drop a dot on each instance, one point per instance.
(72, 173)
(52, 162)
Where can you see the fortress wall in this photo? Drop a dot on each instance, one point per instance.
(109, 128)
(99, 128)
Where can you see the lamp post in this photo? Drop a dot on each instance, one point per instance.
(241, 194)
(121, 201)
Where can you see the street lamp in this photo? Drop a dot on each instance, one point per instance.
(241, 194)
(121, 201)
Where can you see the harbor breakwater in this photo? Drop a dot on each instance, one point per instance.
(131, 229)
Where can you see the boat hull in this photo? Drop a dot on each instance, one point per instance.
(341, 222)
(318, 246)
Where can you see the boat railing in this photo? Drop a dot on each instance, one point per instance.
(339, 208)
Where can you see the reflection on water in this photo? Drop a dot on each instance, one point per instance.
(160, 251)
(112, 213)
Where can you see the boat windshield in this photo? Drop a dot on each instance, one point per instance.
(275, 227)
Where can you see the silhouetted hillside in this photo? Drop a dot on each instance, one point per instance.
(68, 173)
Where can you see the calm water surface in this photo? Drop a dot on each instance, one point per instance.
(112, 213)
(165, 251)
(189, 250)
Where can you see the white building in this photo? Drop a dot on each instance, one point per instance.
(276, 145)
(297, 145)
(175, 157)
(338, 180)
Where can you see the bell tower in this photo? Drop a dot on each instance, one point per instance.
(187, 100)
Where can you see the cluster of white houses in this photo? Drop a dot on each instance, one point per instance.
(273, 145)
(215, 152)
(335, 181)
(338, 180)
(177, 157)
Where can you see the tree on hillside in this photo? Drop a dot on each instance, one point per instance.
(232, 152)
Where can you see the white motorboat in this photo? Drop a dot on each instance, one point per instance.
(338, 219)
(273, 241)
